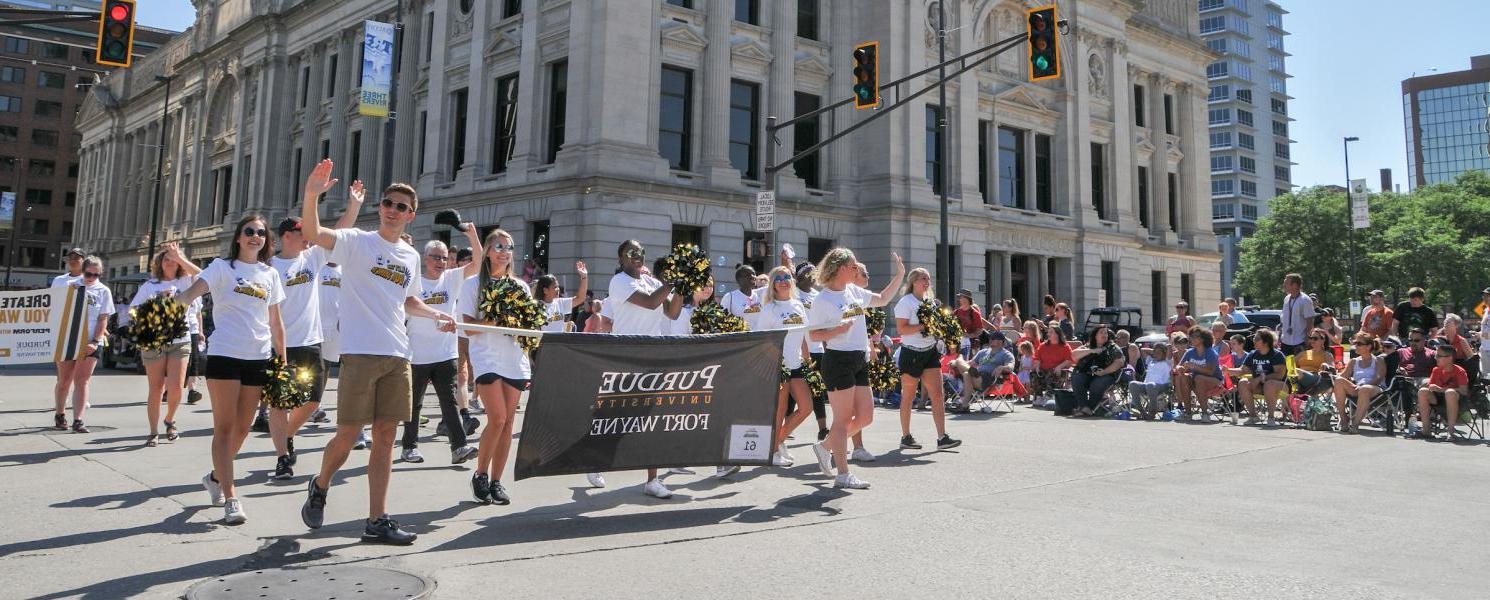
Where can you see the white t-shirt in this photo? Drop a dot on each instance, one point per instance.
(806, 298)
(683, 325)
(241, 296)
(906, 309)
(1297, 319)
(777, 314)
(65, 280)
(302, 309)
(429, 344)
(330, 283)
(831, 307)
(156, 287)
(744, 305)
(100, 303)
(377, 275)
(628, 318)
(556, 311)
(494, 352)
(1485, 335)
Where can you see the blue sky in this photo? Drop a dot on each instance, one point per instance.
(1349, 60)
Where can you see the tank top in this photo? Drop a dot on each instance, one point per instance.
(1365, 370)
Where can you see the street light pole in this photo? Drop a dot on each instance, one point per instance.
(160, 163)
(943, 251)
(1349, 222)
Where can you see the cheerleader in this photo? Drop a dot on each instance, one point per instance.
(837, 319)
(165, 368)
(555, 307)
(806, 293)
(76, 373)
(783, 309)
(919, 362)
(502, 369)
(246, 294)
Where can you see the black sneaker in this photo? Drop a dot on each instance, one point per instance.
(499, 494)
(822, 434)
(472, 424)
(261, 424)
(59, 422)
(282, 468)
(313, 512)
(481, 488)
(908, 443)
(442, 430)
(946, 442)
(79, 427)
(290, 449)
(193, 396)
(386, 531)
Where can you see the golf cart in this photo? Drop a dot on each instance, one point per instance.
(1116, 318)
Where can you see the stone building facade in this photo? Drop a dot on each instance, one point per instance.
(576, 124)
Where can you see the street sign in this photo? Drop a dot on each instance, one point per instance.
(1355, 308)
(765, 211)
(1360, 209)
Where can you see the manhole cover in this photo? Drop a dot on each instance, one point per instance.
(321, 583)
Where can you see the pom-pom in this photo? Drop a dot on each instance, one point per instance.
(939, 323)
(689, 267)
(874, 320)
(507, 304)
(884, 376)
(712, 318)
(815, 383)
(288, 386)
(156, 323)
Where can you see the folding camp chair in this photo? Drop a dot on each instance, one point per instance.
(1004, 391)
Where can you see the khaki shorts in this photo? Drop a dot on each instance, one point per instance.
(374, 389)
(181, 351)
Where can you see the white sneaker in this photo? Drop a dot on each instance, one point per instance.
(678, 471)
(780, 460)
(232, 512)
(726, 471)
(787, 454)
(847, 480)
(363, 441)
(214, 489)
(596, 480)
(1192, 417)
(462, 454)
(655, 489)
(412, 455)
(475, 404)
(861, 455)
(1252, 421)
(824, 458)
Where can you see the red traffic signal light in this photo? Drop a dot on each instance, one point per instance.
(116, 33)
(867, 75)
(1044, 45)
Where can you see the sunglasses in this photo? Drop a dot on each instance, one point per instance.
(398, 206)
(781, 278)
(251, 232)
(91, 275)
(504, 247)
(635, 253)
(1315, 338)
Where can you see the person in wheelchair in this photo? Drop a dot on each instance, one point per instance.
(1149, 393)
(1446, 387)
(1198, 373)
(1360, 381)
(1315, 364)
(1267, 368)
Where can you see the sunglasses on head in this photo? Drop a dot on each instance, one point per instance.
(252, 232)
(91, 275)
(398, 206)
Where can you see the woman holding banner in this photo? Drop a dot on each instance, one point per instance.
(78, 372)
(502, 369)
(837, 319)
(783, 310)
(165, 367)
(246, 293)
(557, 308)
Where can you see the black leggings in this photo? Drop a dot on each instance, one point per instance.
(442, 374)
(819, 402)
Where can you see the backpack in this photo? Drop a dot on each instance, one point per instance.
(1317, 413)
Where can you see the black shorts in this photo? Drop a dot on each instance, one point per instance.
(797, 373)
(844, 370)
(916, 362)
(196, 366)
(490, 378)
(309, 357)
(252, 373)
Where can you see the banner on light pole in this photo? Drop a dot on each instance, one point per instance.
(377, 69)
(1360, 208)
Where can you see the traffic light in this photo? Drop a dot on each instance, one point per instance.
(1045, 55)
(867, 75)
(116, 33)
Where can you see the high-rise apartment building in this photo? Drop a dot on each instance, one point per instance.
(1248, 118)
(1447, 117)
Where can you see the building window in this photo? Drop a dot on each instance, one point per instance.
(511, 8)
(42, 137)
(354, 151)
(1219, 116)
(9, 133)
(1280, 107)
(1143, 197)
(1169, 114)
(1277, 84)
(1011, 167)
(806, 134)
(1216, 45)
(983, 127)
(688, 234)
(933, 153)
(1223, 187)
(67, 229)
(1249, 188)
(47, 108)
(17, 45)
(1248, 164)
(294, 180)
(70, 199)
(1043, 174)
(304, 86)
(1217, 69)
(675, 118)
(744, 137)
(36, 226)
(1099, 181)
(423, 138)
(12, 75)
(331, 77)
(1243, 71)
(1223, 211)
(1174, 202)
(1221, 163)
(1187, 287)
(1244, 117)
(1138, 111)
(458, 104)
(1275, 41)
(1281, 173)
(33, 256)
(223, 188)
(10, 104)
(429, 36)
(1158, 302)
(505, 124)
(41, 168)
(748, 11)
(681, 3)
(807, 19)
(817, 248)
(1212, 24)
(1249, 212)
(1110, 284)
(1280, 128)
(558, 103)
(1219, 93)
(1244, 95)
(48, 79)
(38, 197)
(1245, 140)
(1280, 150)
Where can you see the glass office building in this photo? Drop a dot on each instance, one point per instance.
(1447, 118)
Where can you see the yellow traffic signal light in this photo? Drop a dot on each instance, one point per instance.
(1044, 45)
(116, 33)
(867, 75)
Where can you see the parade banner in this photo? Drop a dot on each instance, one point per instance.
(377, 69)
(610, 403)
(42, 326)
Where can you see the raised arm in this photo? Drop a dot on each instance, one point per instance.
(883, 297)
(478, 253)
(319, 182)
(184, 266)
(584, 285)
(355, 197)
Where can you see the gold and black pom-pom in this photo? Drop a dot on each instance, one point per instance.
(884, 376)
(815, 384)
(289, 387)
(939, 323)
(874, 320)
(688, 266)
(156, 323)
(713, 318)
(507, 304)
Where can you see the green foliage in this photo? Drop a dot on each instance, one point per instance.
(1437, 237)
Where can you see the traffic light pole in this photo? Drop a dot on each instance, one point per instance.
(943, 251)
(160, 163)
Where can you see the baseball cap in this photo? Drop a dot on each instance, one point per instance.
(803, 268)
(288, 225)
(1392, 341)
(77, 251)
(1381, 293)
(1485, 291)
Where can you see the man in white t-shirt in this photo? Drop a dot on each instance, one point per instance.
(74, 274)
(1297, 317)
(380, 281)
(435, 351)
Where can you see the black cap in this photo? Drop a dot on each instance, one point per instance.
(463, 254)
(77, 251)
(288, 225)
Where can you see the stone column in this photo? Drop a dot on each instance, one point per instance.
(1159, 163)
(715, 92)
(609, 130)
(529, 130)
(478, 143)
(782, 87)
(435, 108)
(1006, 275)
(1122, 165)
(346, 42)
